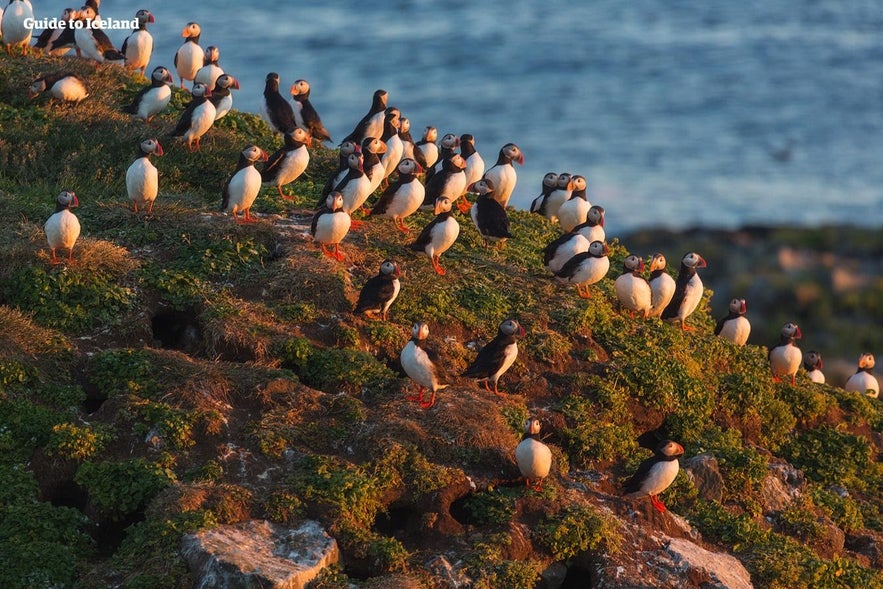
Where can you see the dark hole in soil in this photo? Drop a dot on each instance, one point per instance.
(578, 577)
(460, 512)
(92, 404)
(394, 522)
(109, 534)
(67, 494)
(178, 330)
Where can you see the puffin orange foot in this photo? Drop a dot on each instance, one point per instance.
(657, 504)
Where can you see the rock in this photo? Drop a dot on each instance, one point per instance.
(553, 576)
(706, 476)
(453, 577)
(258, 553)
(782, 485)
(830, 543)
(868, 545)
(394, 581)
(725, 571)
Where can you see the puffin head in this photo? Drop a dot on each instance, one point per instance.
(633, 264)
(87, 13)
(254, 153)
(302, 136)
(482, 187)
(669, 448)
(442, 205)
(791, 331)
(191, 30)
(467, 138)
(738, 306)
(404, 125)
(67, 199)
(37, 87)
(512, 153)
(578, 183)
(550, 180)
(150, 147)
(595, 216)
(393, 115)
(144, 16)
(450, 141)
(380, 97)
(373, 145)
(200, 91)
(457, 162)
(511, 327)
(354, 161)
(227, 81)
(657, 263)
(389, 268)
(420, 331)
(866, 361)
(693, 260)
(564, 181)
(334, 201)
(348, 147)
(532, 426)
(68, 14)
(598, 249)
(213, 54)
(430, 134)
(300, 88)
(409, 166)
(162, 74)
(812, 360)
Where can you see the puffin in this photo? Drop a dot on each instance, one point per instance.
(408, 146)
(13, 26)
(539, 205)
(593, 228)
(533, 457)
(420, 364)
(242, 188)
(371, 125)
(864, 381)
(785, 356)
(402, 197)
(138, 46)
(426, 148)
(734, 326)
(353, 184)
(373, 150)
(189, 57)
(305, 115)
(474, 163)
(379, 292)
(488, 216)
(655, 474)
(330, 225)
(59, 40)
(450, 182)
(562, 249)
(632, 289)
(688, 291)
(66, 86)
(209, 73)
(153, 98)
(559, 195)
(662, 286)
(448, 147)
(275, 109)
(439, 235)
(346, 148)
(574, 210)
(197, 118)
(586, 268)
(91, 41)
(222, 97)
(289, 162)
(63, 227)
(394, 146)
(812, 363)
(142, 178)
(503, 174)
(497, 356)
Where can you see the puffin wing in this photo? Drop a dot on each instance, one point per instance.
(268, 173)
(225, 192)
(671, 311)
(494, 222)
(133, 107)
(386, 198)
(425, 237)
(185, 120)
(720, 324)
(281, 113)
(313, 122)
(633, 484)
(550, 250)
(315, 220)
(489, 359)
(570, 266)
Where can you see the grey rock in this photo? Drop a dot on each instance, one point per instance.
(725, 571)
(706, 476)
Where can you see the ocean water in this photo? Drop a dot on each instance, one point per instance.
(678, 112)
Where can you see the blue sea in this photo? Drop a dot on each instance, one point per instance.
(679, 112)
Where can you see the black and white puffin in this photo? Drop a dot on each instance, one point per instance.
(593, 228)
(371, 125)
(142, 177)
(474, 162)
(138, 47)
(426, 152)
(655, 474)
(785, 356)
(864, 381)
(533, 457)
(153, 98)
(305, 115)
(662, 286)
(380, 291)
(91, 41)
(503, 174)
(420, 362)
(403, 197)
(197, 118)
(688, 291)
(289, 162)
(63, 228)
(394, 146)
(209, 73)
(346, 148)
(353, 184)
(734, 326)
(586, 268)
(67, 86)
(497, 356)
(14, 27)
(408, 145)
(241, 189)
(222, 97)
(574, 210)
(448, 147)
(330, 225)
(190, 56)
(373, 150)
(812, 363)
(450, 181)
(439, 235)
(632, 289)
(57, 41)
(275, 109)
(488, 216)
(562, 249)
(539, 204)
(559, 195)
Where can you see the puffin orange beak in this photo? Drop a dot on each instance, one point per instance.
(520, 161)
(743, 308)
(32, 94)
(680, 448)
(264, 156)
(150, 18)
(184, 33)
(798, 334)
(159, 150)
(521, 331)
(606, 249)
(309, 141)
(76, 202)
(820, 363)
(383, 147)
(419, 167)
(702, 263)
(235, 84)
(641, 266)
(396, 272)
(437, 209)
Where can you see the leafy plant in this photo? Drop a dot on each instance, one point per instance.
(118, 489)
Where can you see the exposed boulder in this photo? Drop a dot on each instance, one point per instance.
(724, 571)
(869, 545)
(706, 476)
(258, 553)
(782, 485)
